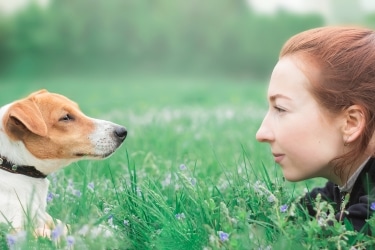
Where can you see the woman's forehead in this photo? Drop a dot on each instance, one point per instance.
(287, 76)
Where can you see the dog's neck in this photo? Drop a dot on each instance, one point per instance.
(30, 171)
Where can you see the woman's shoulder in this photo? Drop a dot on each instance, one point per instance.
(370, 166)
(367, 175)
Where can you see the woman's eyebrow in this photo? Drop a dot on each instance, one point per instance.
(274, 97)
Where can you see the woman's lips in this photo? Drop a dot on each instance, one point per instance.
(278, 157)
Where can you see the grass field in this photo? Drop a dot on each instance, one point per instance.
(190, 175)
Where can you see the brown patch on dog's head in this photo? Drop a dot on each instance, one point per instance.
(50, 125)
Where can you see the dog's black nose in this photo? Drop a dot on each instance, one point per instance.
(121, 132)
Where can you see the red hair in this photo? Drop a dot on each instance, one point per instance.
(345, 57)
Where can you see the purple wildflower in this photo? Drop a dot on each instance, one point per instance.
(284, 208)
(11, 240)
(70, 241)
(50, 197)
(223, 236)
(77, 193)
(57, 232)
(372, 207)
(91, 186)
(183, 167)
(193, 181)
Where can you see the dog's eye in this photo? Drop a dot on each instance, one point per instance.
(66, 117)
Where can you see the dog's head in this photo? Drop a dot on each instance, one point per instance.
(50, 127)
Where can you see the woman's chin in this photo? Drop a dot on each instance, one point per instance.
(292, 178)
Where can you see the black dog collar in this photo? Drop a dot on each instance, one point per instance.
(16, 169)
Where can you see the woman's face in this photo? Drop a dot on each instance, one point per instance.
(304, 138)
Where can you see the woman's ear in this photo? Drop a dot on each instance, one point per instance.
(354, 123)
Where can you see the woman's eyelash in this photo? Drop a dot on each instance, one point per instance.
(279, 109)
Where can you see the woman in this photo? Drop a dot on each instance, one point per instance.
(321, 117)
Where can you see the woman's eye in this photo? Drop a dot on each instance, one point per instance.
(67, 117)
(278, 109)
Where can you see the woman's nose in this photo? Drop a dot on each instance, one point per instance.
(264, 133)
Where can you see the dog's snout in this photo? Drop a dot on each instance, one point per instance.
(121, 132)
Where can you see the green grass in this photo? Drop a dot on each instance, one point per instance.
(189, 172)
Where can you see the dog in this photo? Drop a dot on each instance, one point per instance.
(39, 135)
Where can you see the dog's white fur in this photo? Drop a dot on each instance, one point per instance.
(47, 131)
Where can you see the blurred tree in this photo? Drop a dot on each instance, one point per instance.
(5, 50)
(213, 36)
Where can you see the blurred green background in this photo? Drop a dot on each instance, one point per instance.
(105, 40)
(118, 37)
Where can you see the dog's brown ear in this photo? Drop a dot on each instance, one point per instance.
(27, 113)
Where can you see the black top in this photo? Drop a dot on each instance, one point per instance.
(358, 207)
